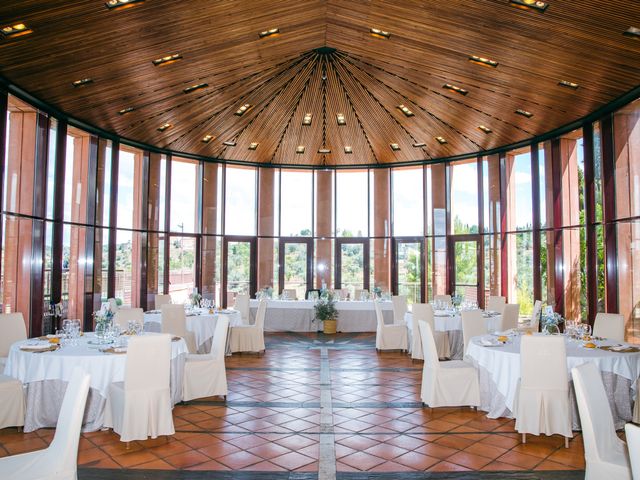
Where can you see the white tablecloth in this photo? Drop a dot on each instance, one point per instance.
(299, 316)
(500, 373)
(201, 323)
(46, 375)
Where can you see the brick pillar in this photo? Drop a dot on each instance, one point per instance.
(381, 228)
(324, 217)
(153, 222)
(492, 224)
(210, 227)
(439, 216)
(266, 209)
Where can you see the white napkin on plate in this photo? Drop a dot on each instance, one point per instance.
(36, 346)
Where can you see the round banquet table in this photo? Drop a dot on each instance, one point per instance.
(451, 322)
(499, 375)
(200, 322)
(46, 374)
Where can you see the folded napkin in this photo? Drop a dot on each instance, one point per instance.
(37, 346)
(153, 312)
(489, 342)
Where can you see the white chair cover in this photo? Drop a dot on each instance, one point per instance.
(510, 315)
(125, 315)
(399, 305)
(424, 312)
(446, 384)
(250, 338)
(205, 375)
(174, 321)
(113, 304)
(58, 461)
(443, 298)
(496, 303)
(609, 325)
(162, 300)
(11, 402)
(140, 407)
(389, 337)
(13, 330)
(535, 316)
(290, 293)
(473, 325)
(242, 306)
(604, 453)
(542, 401)
(633, 441)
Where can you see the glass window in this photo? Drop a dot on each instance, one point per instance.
(491, 193)
(124, 271)
(185, 186)
(352, 200)
(519, 193)
(51, 166)
(76, 176)
(520, 270)
(464, 196)
(182, 267)
(296, 203)
(126, 195)
(240, 201)
(408, 201)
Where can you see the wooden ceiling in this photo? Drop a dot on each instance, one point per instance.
(323, 62)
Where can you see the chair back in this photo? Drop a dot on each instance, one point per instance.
(543, 363)
(13, 330)
(428, 345)
(162, 300)
(219, 341)
(443, 298)
(510, 316)
(535, 316)
(399, 305)
(379, 315)
(609, 325)
(242, 306)
(633, 442)
(359, 292)
(148, 362)
(125, 315)
(113, 304)
(261, 313)
(421, 312)
(290, 293)
(62, 454)
(496, 303)
(598, 430)
(473, 325)
(174, 320)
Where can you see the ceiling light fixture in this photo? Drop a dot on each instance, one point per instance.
(348, 149)
(120, 4)
(164, 127)
(486, 130)
(124, 111)
(82, 82)
(455, 89)
(229, 143)
(537, 5)
(565, 83)
(632, 32)
(419, 145)
(394, 146)
(193, 88)
(15, 30)
(403, 108)
(441, 140)
(168, 60)
(485, 62)
(269, 33)
(243, 109)
(340, 119)
(207, 138)
(376, 32)
(524, 113)
(324, 151)
(307, 119)
(300, 149)
(253, 145)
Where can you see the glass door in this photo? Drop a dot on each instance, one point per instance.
(352, 264)
(296, 265)
(183, 254)
(239, 268)
(407, 268)
(464, 279)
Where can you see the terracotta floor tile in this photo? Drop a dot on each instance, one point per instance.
(391, 467)
(187, 459)
(469, 460)
(134, 458)
(361, 461)
(386, 451)
(210, 465)
(416, 460)
(238, 460)
(436, 451)
(292, 460)
(448, 467)
(268, 450)
(154, 465)
(519, 459)
(219, 449)
(499, 466)
(489, 451)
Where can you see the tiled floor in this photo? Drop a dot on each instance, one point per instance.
(271, 422)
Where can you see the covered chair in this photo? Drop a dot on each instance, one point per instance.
(11, 403)
(424, 312)
(473, 325)
(174, 321)
(510, 316)
(205, 375)
(60, 460)
(113, 304)
(359, 293)
(242, 306)
(162, 300)
(496, 303)
(535, 316)
(609, 325)
(389, 337)
(140, 407)
(633, 441)
(542, 401)
(604, 453)
(250, 338)
(443, 298)
(290, 293)
(125, 315)
(446, 384)
(13, 330)
(399, 305)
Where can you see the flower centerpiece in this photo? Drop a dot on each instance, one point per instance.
(195, 298)
(326, 312)
(103, 320)
(377, 292)
(456, 300)
(550, 321)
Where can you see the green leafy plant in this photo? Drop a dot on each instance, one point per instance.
(325, 308)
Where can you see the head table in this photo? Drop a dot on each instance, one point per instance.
(499, 374)
(46, 374)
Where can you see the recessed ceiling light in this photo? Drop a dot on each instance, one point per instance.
(486, 130)
(565, 83)
(524, 113)
(455, 89)
(193, 88)
(229, 143)
(207, 138)
(120, 4)
(394, 146)
(82, 82)
(403, 108)
(164, 127)
(307, 119)
(485, 62)
(376, 32)
(348, 149)
(15, 30)
(253, 145)
(324, 151)
(632, 32)
(441, 140)
(340, 118)
(243, 109)
(269, 33)
(168, 60)
(419, 145)
(537, 5)
(125, 110)
(300, 149)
